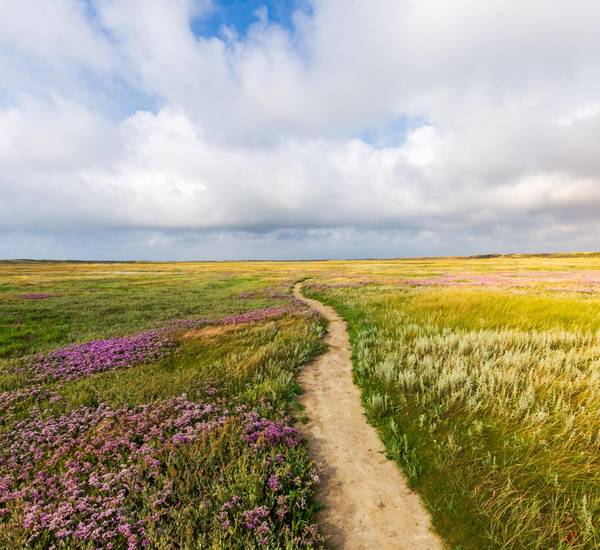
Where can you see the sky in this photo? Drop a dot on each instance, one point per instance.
(298, 129)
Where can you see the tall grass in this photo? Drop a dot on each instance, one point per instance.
(495, 423)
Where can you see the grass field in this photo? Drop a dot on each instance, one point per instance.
(149, 404)
(485, 387)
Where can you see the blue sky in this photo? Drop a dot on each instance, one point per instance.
(138, 129)
(240, 14)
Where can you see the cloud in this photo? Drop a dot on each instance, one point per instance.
(117, 119)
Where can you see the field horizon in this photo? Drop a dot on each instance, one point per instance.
(483, 256)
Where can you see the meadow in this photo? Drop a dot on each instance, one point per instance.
(155, 405)
(483, 379)
(151, 407)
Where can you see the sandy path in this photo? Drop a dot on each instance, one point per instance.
(369, 505)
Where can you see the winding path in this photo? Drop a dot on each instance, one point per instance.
(368, 503)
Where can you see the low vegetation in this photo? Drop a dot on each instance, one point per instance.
(178, 436)
(155, 404)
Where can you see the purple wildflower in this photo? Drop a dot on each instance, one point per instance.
(9, 399)
(273, 483)
(261, 432)
(77, 477)
(255, 517)
(77, 360)
(253, 316)
(72, 475)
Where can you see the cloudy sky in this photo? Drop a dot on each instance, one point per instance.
(218, 129)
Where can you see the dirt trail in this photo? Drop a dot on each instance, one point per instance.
(368, 503)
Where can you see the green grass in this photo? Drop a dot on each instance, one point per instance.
(89, 308)
(489, 401)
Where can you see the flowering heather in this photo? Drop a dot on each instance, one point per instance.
(144, 469)
(252, 316)
(262, 432)
(255, 315)
(255, 520)
(569, 281)
(97, 476)
(274, 484)
(72, 476)
(274, 293)
(77, 360)
(9, 398)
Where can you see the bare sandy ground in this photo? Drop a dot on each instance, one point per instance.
(368, 503)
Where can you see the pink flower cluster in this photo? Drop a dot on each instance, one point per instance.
(261, 432)
(252, 316)
(569, 281)
(275, 293)
(77, 360)
(256, 520)
(35, 296)
(79, 477)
